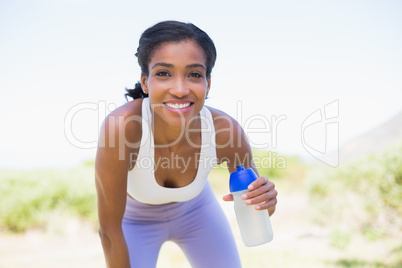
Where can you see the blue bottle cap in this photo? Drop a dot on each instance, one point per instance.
(241, 178)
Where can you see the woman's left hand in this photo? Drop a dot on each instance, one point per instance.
(261, 193)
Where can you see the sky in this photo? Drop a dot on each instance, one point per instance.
(303, 77)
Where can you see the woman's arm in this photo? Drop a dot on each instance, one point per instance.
(111, 167)
(234, 148)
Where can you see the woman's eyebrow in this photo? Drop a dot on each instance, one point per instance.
(169, 65)
(163, 64)
(195, 65)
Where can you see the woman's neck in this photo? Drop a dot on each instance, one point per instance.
(166, 135)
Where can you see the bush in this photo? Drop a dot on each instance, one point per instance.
(28, 197)
(365, 194)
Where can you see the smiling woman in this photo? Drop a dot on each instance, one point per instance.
(172, 32)
(152, 169)
(178, 80)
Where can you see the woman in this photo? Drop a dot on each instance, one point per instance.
(156, 151)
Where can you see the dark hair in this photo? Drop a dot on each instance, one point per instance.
(170, 31)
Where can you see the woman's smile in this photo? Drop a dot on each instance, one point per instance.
(178, 107)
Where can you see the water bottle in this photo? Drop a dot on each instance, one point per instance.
(255, 226)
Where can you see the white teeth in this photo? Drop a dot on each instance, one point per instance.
(178, 105)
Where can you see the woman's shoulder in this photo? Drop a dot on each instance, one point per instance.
(222, 119)
(231, 141)
(125, 119)
(227, 128)
(129, 109)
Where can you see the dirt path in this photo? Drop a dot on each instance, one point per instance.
(77, 245)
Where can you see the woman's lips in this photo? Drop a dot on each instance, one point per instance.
(178, 107)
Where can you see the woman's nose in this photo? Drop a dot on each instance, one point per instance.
(179, 88)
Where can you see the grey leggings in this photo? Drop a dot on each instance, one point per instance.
(197, 226)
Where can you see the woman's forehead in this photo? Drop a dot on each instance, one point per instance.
(178, 52)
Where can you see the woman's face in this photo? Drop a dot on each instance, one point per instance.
(177, 84)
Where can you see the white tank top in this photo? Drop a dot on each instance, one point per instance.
(141, 182)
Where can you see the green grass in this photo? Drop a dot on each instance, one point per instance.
(366, 194)
(354, 263)
(27, 198)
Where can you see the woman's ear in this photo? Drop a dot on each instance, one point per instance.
(208, 86)
(144, 83)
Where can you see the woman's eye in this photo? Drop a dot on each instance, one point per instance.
(196, 75)
(162, 73)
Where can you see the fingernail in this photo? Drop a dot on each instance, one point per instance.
(248, 202)
(250, 187)
(257, 207)
(244, 196)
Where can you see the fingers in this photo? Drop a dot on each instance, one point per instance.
(263, 194)
(267, 205)
(228, 197)
(257, 183)
(258, 187)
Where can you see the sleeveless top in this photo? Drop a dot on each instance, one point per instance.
(141, 182)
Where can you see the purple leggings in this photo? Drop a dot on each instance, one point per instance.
(198, 226)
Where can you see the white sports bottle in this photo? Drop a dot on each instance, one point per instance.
(255, 226)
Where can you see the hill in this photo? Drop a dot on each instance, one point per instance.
(376, 140)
